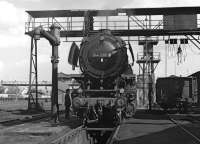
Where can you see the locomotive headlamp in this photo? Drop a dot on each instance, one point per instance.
(121, 91)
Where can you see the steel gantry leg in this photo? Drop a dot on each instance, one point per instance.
(33, 77)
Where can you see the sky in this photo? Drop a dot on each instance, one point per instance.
(15, 45)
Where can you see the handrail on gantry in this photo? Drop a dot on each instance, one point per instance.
(121, 22)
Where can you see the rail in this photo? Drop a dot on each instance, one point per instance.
(75, 136)
(184, 129)
(13, 122)
(193, 119)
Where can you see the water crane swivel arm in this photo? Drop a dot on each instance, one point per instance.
(53, 37)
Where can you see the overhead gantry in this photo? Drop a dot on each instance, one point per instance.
(122, 22)
(133, 24)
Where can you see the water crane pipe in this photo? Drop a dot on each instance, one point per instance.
(54, 39)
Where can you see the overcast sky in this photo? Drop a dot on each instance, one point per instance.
(15, 46)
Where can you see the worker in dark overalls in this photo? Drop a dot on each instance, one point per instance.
(67, 103)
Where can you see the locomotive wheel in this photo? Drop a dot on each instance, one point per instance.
(130, 110)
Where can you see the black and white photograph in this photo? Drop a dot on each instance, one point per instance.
(99, 72)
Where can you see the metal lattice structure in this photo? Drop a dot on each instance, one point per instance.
(33, 75)
(122, 22)
(132, 24)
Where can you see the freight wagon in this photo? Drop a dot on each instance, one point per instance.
(176, 92)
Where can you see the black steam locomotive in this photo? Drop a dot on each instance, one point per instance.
(107, 91)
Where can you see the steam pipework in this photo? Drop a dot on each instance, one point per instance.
(53, 37)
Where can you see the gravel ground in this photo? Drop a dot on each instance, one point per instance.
(35, 132)
(14, 110)
(31, 132)
(17, 109)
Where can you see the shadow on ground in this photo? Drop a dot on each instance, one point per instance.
(172, 135)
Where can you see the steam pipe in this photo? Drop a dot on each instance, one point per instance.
(52, 38)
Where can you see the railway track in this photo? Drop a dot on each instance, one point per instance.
(14, 124)
(34, 130)
(192, 118)
(30, 132)
(31, 118)
(77, 136)
(186, 117)
(85, 135)
(36, 117)
(82, 135)
(181, 126)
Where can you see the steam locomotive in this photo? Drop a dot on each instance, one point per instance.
(107, 91)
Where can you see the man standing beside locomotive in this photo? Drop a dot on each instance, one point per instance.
(67, 103)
